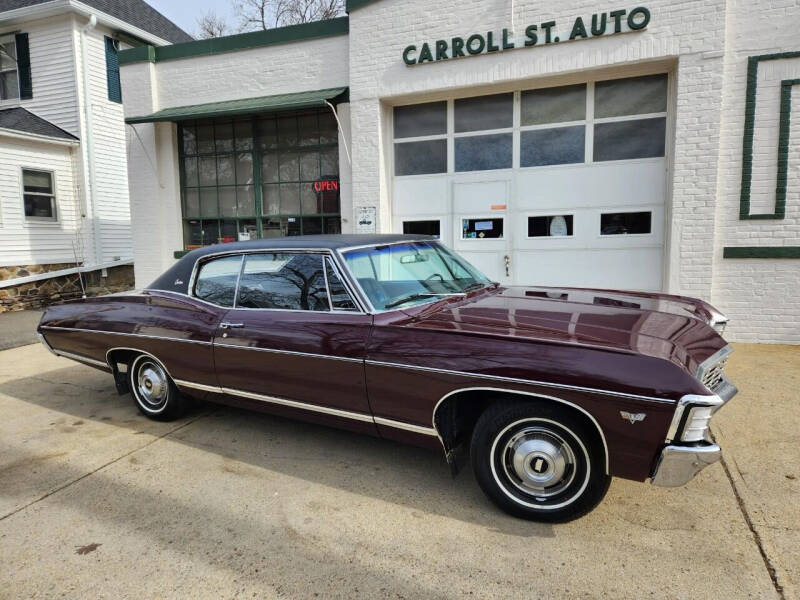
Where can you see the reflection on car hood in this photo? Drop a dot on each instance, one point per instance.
(660, 325)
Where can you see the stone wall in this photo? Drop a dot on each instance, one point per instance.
(38, 294)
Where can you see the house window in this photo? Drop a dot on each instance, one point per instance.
(38, 194)
(9, 80)
(481, 228)
(420, 139)
(550, 226)
(423, 228)
(624, 223)
(259, 177)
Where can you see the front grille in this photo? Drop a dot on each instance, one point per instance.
(710, 372)
(713, 376)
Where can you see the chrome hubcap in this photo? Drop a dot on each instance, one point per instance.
(152, 383)
(538, 461)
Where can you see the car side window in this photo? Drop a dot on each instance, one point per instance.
(216, 280)
(340, 298)
(284, 281)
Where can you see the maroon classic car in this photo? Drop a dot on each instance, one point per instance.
(548, 392)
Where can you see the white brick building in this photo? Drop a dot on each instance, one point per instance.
(653, 150)
(64, 204)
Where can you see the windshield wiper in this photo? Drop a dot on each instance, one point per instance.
(474, 286)
(411, 297)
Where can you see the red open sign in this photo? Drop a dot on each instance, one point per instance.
(326, 185)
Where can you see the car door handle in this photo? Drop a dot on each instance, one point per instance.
(231, 325)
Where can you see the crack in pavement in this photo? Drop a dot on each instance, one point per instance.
(104, 465)
(771, 570)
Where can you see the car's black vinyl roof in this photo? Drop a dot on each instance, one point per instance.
(176, 278)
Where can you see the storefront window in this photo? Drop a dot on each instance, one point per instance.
(259, 177)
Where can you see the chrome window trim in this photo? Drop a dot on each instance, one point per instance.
(533, 395)
(336, 271)
(524, 381)
(141, 335)
(206, 257)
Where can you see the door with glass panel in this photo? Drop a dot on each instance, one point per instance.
(294, 332)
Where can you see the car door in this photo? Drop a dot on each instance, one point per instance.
(295, 338)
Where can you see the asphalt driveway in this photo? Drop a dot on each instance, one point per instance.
(98, 501)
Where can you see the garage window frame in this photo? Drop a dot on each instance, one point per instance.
(627, 210)
(517, 129)
(550, 213)
(484, 217)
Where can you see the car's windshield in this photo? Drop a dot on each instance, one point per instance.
(399, 275)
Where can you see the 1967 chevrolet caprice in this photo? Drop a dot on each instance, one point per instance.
(549, 392)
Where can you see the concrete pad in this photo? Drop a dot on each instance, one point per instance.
(760, 434)
(229, 503)
(18, 328)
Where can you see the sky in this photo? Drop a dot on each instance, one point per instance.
(184, 13)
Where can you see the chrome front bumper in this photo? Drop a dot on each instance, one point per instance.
(677, 465)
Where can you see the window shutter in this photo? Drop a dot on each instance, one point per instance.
(112, 72)
(24, 66)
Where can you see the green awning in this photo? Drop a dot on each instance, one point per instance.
(246, 106)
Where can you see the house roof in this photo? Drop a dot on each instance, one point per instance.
(23, 121)
(135, 12)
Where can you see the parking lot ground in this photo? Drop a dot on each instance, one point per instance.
(98, 501)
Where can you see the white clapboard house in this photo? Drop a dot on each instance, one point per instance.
(64, 204)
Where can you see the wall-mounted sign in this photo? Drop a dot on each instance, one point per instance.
(615, 21)
(326, 185)
(365, 219)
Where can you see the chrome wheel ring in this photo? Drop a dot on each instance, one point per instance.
(152, 384)
(538, 461)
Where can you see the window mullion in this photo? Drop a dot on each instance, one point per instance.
(589, 148)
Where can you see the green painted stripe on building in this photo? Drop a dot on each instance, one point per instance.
(246, 106)
(241, 41)
(354, 4)
(747, 140)
(761, 252)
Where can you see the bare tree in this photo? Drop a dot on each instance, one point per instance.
(210, 25)
(267, 14)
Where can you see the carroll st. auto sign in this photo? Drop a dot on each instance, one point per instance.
(549, 32)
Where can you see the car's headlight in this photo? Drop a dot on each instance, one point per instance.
(697, 423)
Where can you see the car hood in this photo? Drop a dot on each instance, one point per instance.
(675, 328)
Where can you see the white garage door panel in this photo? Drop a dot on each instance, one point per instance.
(601, 184)
(626, 269)
(421, 196)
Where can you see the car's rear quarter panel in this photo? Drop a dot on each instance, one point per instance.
(175, 330)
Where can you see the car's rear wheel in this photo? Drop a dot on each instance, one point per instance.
(539, 461)
(153, 389)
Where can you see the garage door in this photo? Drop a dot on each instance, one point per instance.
(563, 185)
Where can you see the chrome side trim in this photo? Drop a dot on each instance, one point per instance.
(197, 386)
(301, 405)
(523, 381)
(531, 394)
(44, 342)
(289, 352)
(83, 359)
(140, 335)
(406, 426)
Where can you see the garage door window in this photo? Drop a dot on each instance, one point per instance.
(481, 228)
(624, 223)
(550, 226)
(420, 133)
(630, 118)
(423, 227)
(482, 114)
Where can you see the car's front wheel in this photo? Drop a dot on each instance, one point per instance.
(153, 389)
(539, 461)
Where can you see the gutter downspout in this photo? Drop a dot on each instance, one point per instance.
(89, 172)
